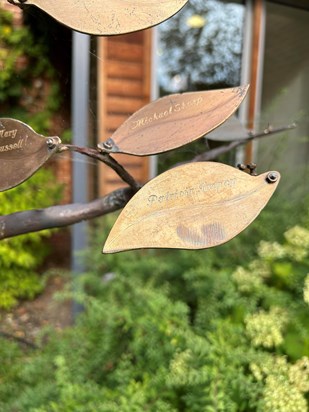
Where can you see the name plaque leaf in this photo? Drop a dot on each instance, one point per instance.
(108, 17)
(193, 206)
(22, 152)
(173, 121)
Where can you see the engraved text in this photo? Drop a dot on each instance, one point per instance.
(174, 108)
(191, 191)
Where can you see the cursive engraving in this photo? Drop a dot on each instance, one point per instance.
(12, 146)
(174, 108)
(217, 186)
(8, 141)
(192, 192)
(8, 133)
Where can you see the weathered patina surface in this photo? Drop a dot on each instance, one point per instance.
(194, 206)
(174, 121)
(108, 17)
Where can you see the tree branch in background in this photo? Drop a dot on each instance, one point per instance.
(218, 151)
(59, 216)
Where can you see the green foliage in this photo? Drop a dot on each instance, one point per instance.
(20, 256)
(173, 331)
(25, 72)
(16, 44)
(24, 68)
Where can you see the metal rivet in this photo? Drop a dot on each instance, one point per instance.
(272, 177)
(241, 166)
(108, 144)
(51, 143)
(252, 166)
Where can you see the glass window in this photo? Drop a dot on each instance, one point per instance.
(285, 96)
(201, 47)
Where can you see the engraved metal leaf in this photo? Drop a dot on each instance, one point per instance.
(194, 206)
(173, 121)
(109, 17)
(22, 152)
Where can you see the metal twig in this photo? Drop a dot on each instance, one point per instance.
(107, 159)
(214, 153)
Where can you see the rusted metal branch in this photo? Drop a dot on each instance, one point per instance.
(59, 216)
(106, 159)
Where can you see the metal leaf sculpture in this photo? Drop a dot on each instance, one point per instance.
(194, 206)
(173, 121)
(108, 17)
(22, 152)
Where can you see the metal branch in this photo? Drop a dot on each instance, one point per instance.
(214, 153)
(108, 160)
(58, 216)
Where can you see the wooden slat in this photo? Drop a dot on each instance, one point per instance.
(113, 121)
(125, 105)
(120, 87)
(147, 63)
(256, 48)
(126, 70)
(136, 37)
(124, 82)
(124, 52)
(112, 185)
(102, 132)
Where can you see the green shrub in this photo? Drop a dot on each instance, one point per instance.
(20, 256)
(23, 64)
(173, 331)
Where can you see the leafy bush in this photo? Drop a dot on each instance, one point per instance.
(28, 92)
(20, 256)
(177, 331)
(28, 87)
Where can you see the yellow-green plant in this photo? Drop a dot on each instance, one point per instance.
(23, 64)
(176, 331)
(20, 256)
(23, 61)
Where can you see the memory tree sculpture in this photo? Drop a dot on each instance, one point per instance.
(192, 206)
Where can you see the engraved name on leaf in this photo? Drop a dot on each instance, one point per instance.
(191, 194)
(173, 121)
(11, 141)
(22, 152)
(172, 110)
(193, 206)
